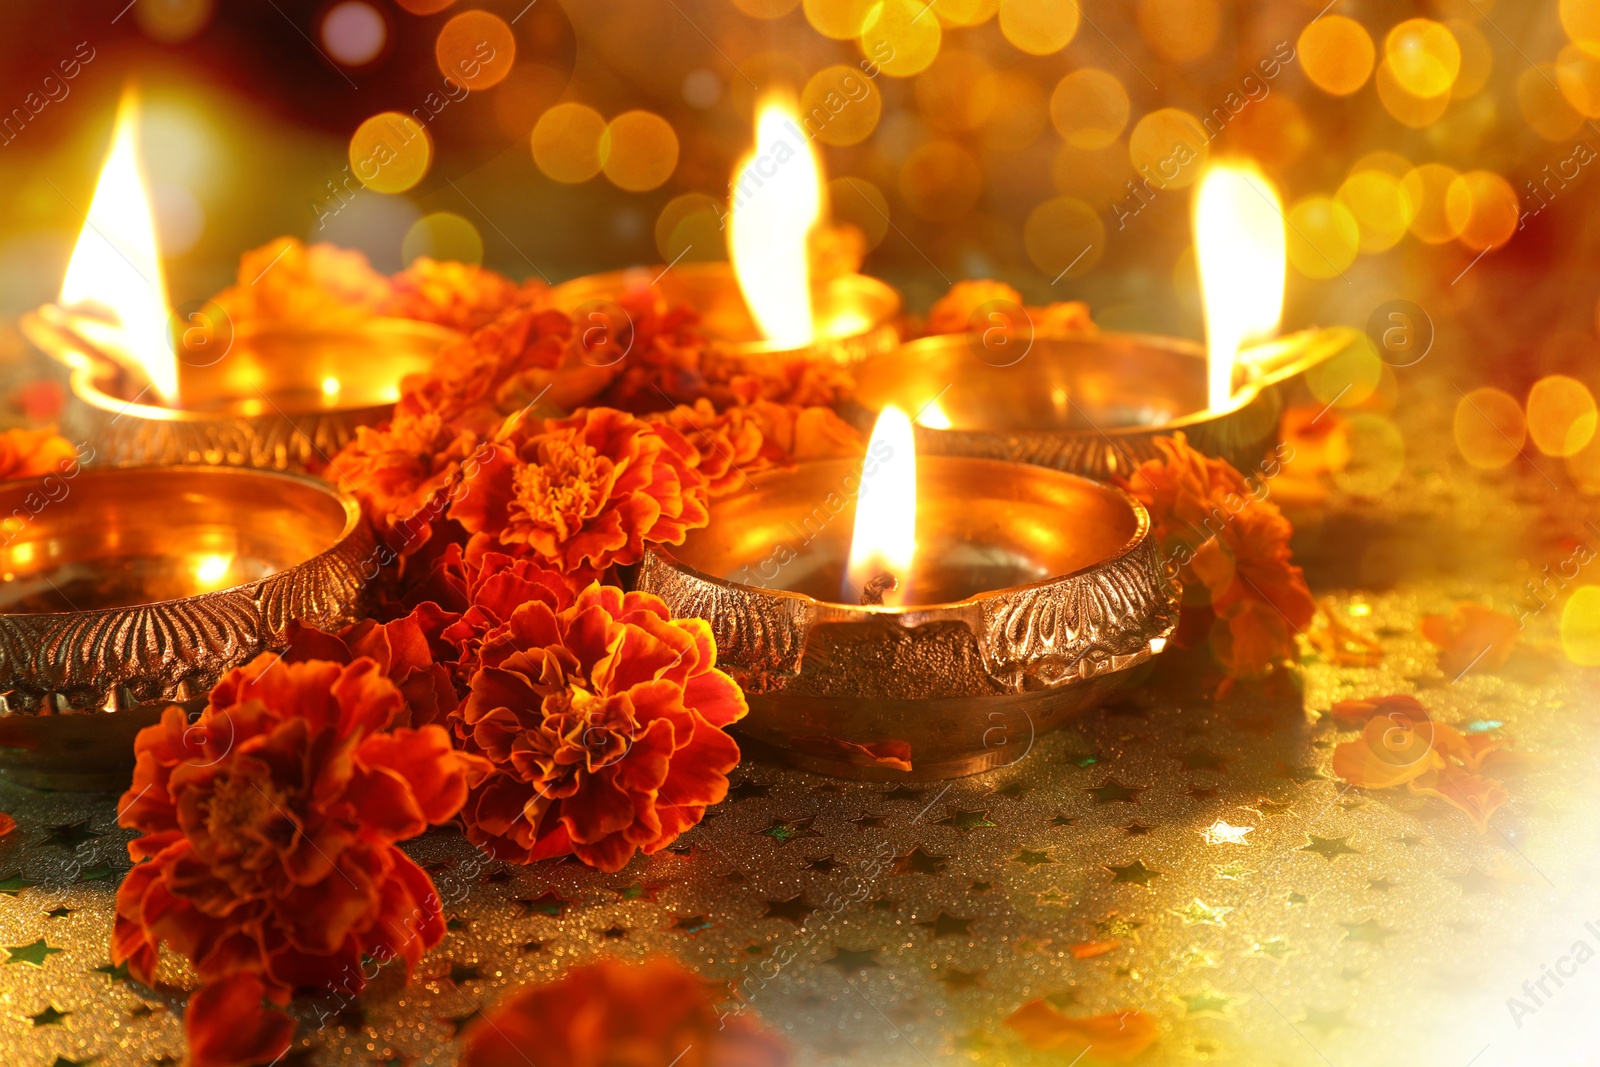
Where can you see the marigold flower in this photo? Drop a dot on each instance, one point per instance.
(462, 296)
(753, 437)
(28, 453)
(402, 472)
(286, 281)
(413, 652)
(269, 835)
(586, 493)
(614, 1013)
(952, 312)
(1471, 636)
(1228, 538)
(493, 586)
(605, 724)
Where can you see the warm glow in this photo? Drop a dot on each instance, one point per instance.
(776, 200)
(210, 571)
(330, 387)
(933, 417)
(1241, 251)
(885, 537)
(115, 271)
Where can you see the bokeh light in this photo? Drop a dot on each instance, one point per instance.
(690, 228)
(1428, 188)
(1324, 237)
(1483, 208)
(839, 19)
(1381, 207)
(1349, 377)
(1545, 107)
(1404, 106)
(638, 151)
(1179, 30)
(957, 92)
(354, 33)
(1337, 54)
(1580, 626)
(1561, 415)
(1377, 455)
(1169, 147)
(1039, 27)
(941, 181)
(1274, 132)
(476, 49)
(859, 203)
(1477, 59)
(765, 9)
(1064, 238)
(566, 142)
(443, 235)
(1023, 118)
(840, 105)
(1089, 108)
(1489, 428)
(424, 7)
(172, 21)
(1097, 176)
(390, 152)
(1424, 57)
(965, 12)
(1581, 20)
(898, 40)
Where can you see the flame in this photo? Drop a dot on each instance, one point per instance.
(885, 536)
(933, 416)
(777, 199)
(1241, 251)
(115, 268)
(211, 570)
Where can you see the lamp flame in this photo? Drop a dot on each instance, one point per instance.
(1241, 251)
(885, 535)
(115, 270)
(777, 199)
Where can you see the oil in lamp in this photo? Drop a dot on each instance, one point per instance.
(919, 617)
(1095, 402)
(763, 302)
(281, 395)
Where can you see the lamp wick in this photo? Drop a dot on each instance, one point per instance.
(872, 592)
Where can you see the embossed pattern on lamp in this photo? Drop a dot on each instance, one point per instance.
(1029, 593)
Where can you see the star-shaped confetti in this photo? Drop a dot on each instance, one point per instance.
(1135, 873)
(1381, 885)
(1033, 857)
(1369, 931)
(645, 891)
(1201, 913)
(691, 924)
(822, 864)
(1474, 881)
(866, 821)
(1207, 1001)
(747, 790)
(117, 972)
(70, 835)
(851, 961)
(1080, 759)
(548, 903)
(919, 862)
(785, 830)
(59, 913)
(1063, 820)
(1013, 789)
(1326, 1021)
(50, 1015)
(1200, 759)
(14, 883)
(1295, 899)
(904, 792)
(1203, 794)
(944, 924)
(1225, 833)
(1274, 948)
(32, 955)
(459, 1023)
(955, 979)
(1116, 927)
(1329, 847)
(614, 933)
(795, 909)
(1114, 792)
(966, 820)
(1137, 829)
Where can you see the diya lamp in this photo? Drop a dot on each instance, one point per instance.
(1094, 403)
(277, 395)
(129, 588)
(919, 616)
(763, 304)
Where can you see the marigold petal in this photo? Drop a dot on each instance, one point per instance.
(227, 1023)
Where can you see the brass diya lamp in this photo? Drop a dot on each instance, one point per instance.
(763, 304)
(129, 588)
(275, 395)
(1094, 403)
(919, 617)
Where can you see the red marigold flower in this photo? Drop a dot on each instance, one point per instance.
(227, 1023)
(585, 493)
(1228, 538)
(752, 437)
(615, 1013)
(495, 585)
(462, 296)
(34, 453)
(604, 722)
(270, 828)
(286, 281)
(413, 652)
(402, 472)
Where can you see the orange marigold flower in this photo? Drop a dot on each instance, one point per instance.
(402, 472)
(286, 281)
(227, 1023)
(34, 453)
(1061, 317)
(586, 493)
(1471, 636)
(270, 828)
(493, 585)
(1113, 1037)
(835, 250)
(462, 296)
(609, 1012)
(1227, 537)
(605, 723)
(952, 312)
(412, 652)
(753, 437)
